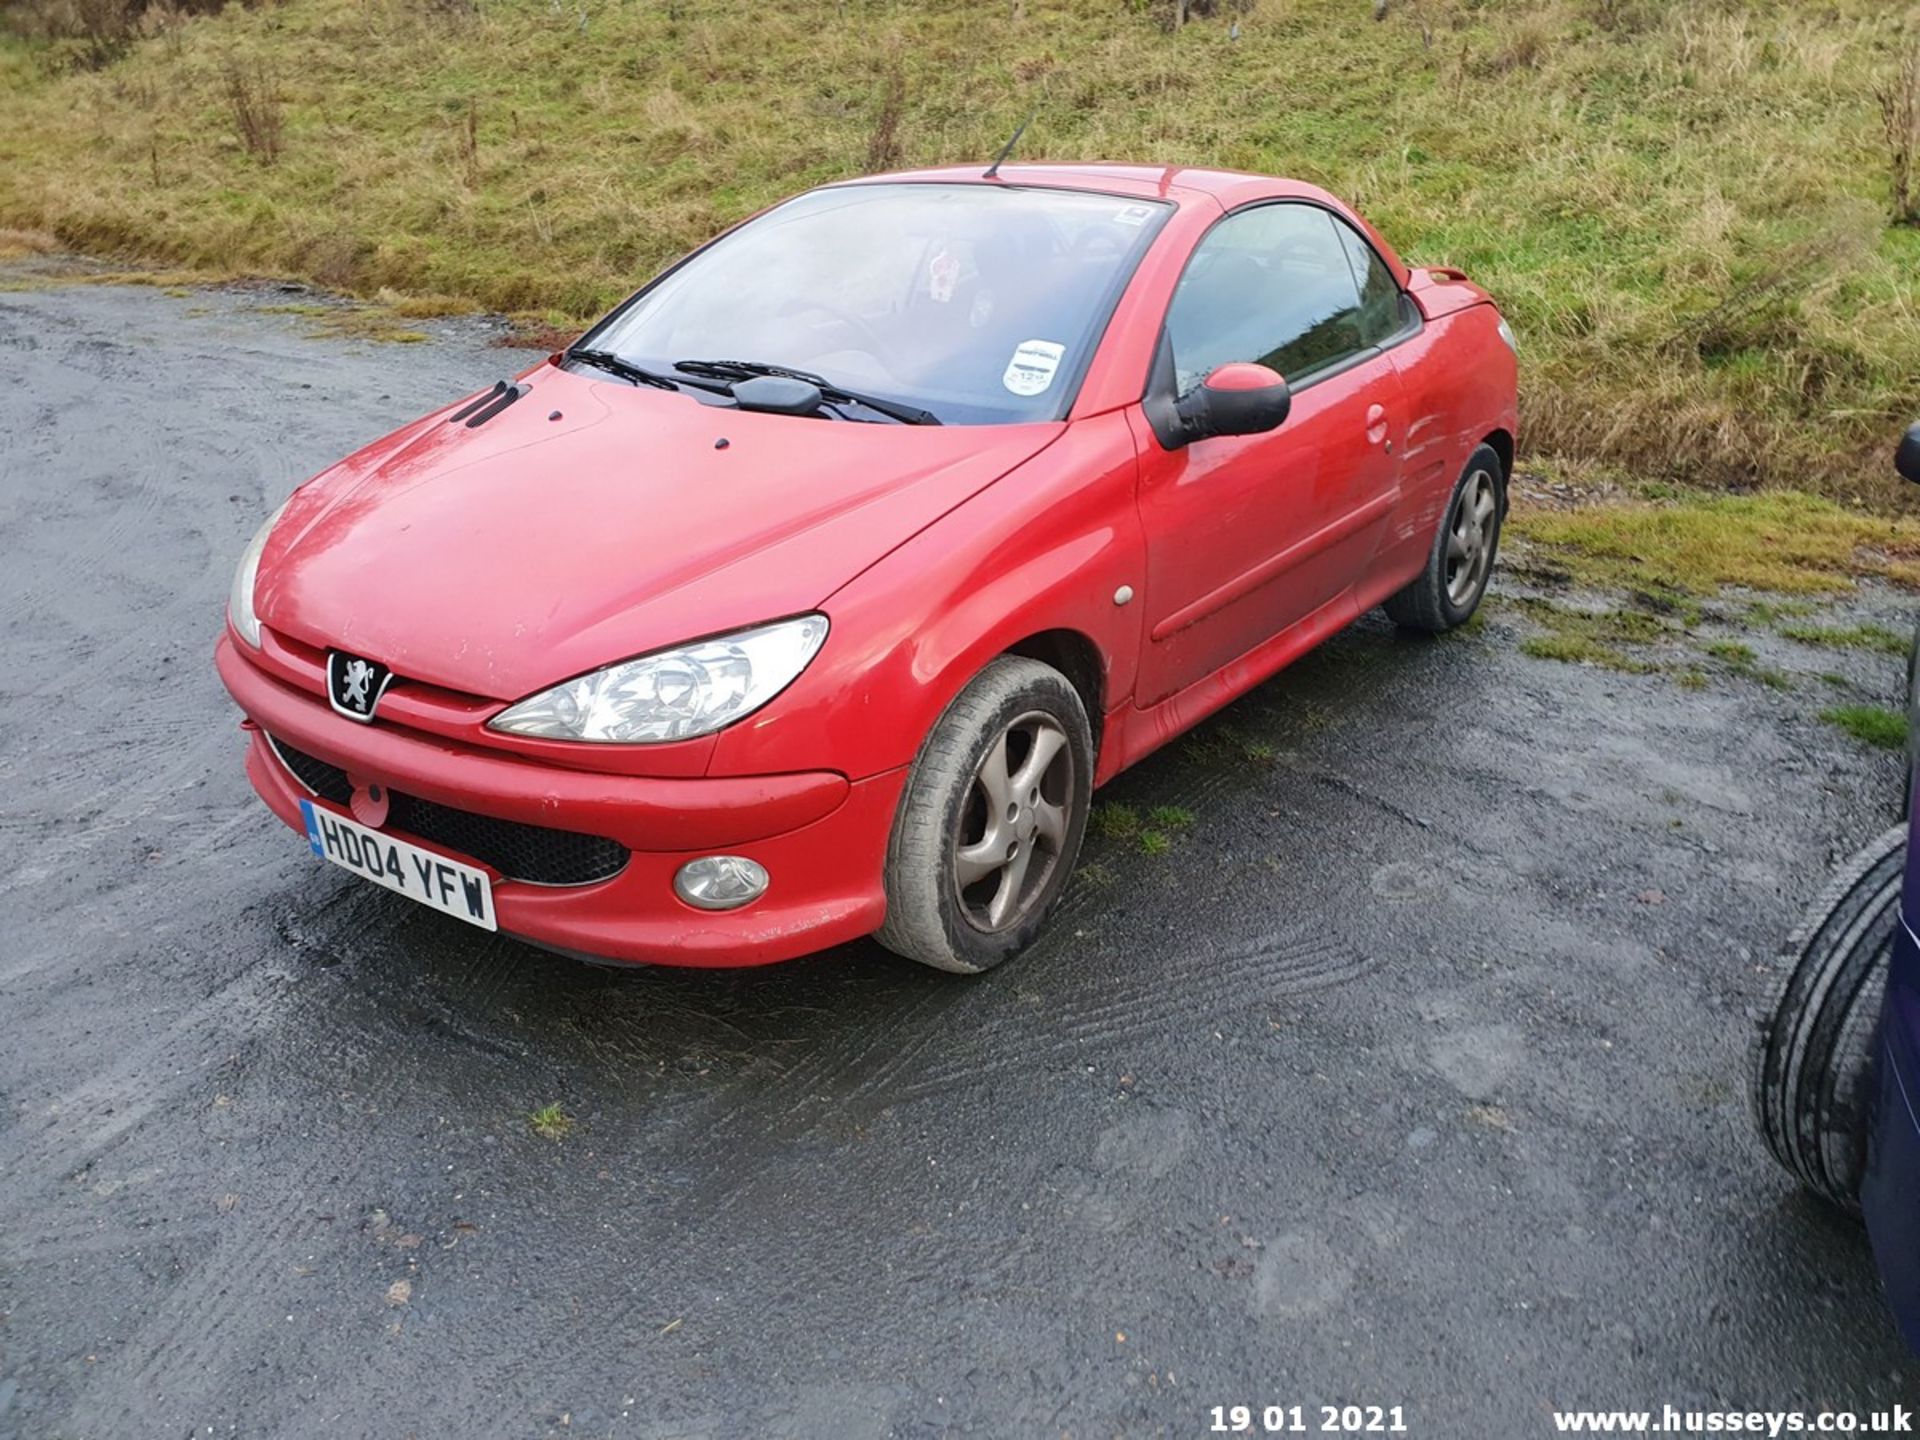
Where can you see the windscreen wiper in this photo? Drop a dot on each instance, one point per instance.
(619, 365)
(834, 394)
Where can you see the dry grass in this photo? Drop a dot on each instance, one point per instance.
(87, 34)
(253, 103)
(17, 243)
(182, 280)
(350, 322)
(1900, 114)
(1683, 207)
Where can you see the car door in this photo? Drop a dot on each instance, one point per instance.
(1249, 535)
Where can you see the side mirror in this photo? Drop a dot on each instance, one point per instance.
(1238, 398)
(1907, 458)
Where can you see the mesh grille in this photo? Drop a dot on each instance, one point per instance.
(532, 853)
(329, 782)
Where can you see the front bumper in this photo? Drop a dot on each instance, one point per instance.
(821, 837)
(1890, 1194)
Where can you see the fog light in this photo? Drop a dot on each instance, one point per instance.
(720, 882)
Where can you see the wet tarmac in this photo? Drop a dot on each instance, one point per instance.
(1411, 1074)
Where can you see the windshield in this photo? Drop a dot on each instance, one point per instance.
(978, 303)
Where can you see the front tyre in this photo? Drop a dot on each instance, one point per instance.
(1812, 1060)
(991, 821)
(1461, 560)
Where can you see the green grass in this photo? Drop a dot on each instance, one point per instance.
(1870, 724)
(1772, 612)
(1170, 817)
(1581, 650)
(551, 1122)
(1620, 637)
(1113, 821)
(1153, 833)
(1587, 637)
(1683, 208)
(1849, 637)
(1741, 659)
(1698, 543)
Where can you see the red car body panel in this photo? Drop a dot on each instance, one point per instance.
(593, 521)
(626, 527)
(810, 906)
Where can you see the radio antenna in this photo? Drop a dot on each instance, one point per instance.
(993, 170)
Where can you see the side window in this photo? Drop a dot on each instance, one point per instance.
(1272, 285)
(1380, 314)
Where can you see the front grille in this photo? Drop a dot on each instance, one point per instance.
(532, 853)
(329, 782)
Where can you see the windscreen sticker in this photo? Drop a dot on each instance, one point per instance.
(943, 274)
(1031, 370)
(1134, 215)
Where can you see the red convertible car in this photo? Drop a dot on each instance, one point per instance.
(812, 593)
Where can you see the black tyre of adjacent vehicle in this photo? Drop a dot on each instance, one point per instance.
(1813, 1055)
(992, 819)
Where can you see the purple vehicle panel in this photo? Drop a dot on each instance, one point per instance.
(1836, 1074)
(1890, 1192)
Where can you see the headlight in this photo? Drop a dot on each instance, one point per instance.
(675, 694)
(240, 598)
(1506, 334)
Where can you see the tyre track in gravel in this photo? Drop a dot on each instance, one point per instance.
(844, 1075)
(148, 527)
(84, 1123)
(205, 1328)
(208, 1325)
(754, 1151)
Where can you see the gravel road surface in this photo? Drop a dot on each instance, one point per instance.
(1412, 1073)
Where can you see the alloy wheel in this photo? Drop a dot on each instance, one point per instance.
(1013, 823)
(1470, 536)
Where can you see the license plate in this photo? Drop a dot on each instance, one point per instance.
(446, 885)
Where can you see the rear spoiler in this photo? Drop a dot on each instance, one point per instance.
(1440, 290)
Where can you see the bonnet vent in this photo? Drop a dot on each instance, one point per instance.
(484, 407)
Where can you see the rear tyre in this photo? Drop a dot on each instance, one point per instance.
(1812, 1059)
(1460, 563)
(991, 822)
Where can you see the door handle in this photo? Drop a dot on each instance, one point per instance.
(1377, 424)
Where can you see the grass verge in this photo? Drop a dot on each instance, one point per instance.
(1692, 543)
(1684, 309)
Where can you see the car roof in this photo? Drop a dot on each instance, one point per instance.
(1182, 184)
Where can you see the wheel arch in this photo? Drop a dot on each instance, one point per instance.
(1501, 443)
(1075, 655)
(1045, 569)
